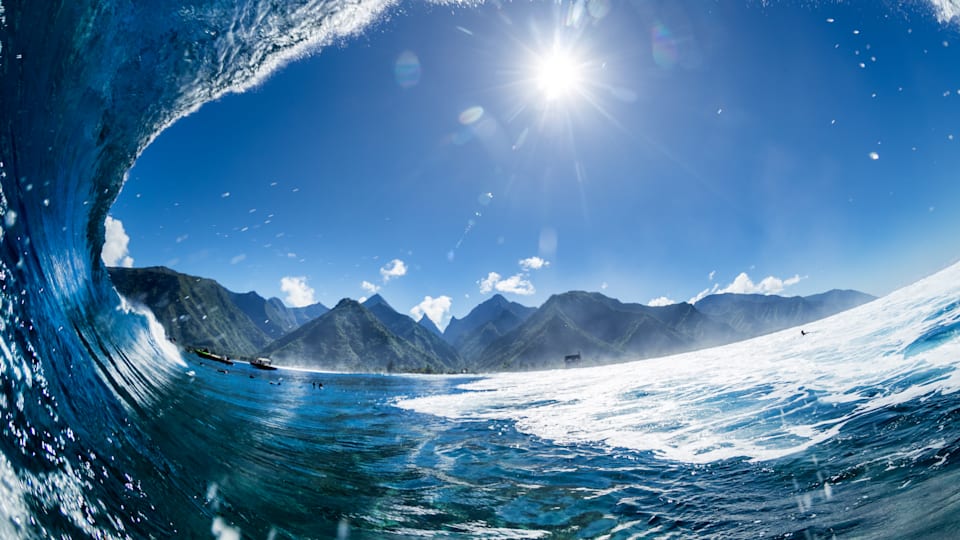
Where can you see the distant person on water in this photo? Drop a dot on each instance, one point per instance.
(802, 333)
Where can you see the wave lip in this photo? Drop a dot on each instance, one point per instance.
(946, 10)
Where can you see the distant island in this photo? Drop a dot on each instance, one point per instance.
(571, 329)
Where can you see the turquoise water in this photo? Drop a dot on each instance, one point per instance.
(282, 456)
(108, 432)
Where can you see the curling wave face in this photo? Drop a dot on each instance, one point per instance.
(106, 432)
(84, 87)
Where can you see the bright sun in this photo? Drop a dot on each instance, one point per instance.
(558, 75)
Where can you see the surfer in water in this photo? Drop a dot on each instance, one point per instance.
(803, 333)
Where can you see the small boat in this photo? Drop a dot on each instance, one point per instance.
(204, 353)
(263, 363)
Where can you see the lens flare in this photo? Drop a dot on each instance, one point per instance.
(664, 46)
(471, 115)
(406, 69)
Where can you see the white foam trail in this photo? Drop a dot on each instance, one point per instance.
(762, 399)
(154, 340)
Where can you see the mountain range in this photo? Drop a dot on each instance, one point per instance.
(570, 329)
(199, 312)
(351, 337)
(602, 330)
(755, 314)
(486, 323)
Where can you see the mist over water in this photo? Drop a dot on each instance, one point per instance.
(108, 432)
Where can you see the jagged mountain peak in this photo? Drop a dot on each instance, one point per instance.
(485, 322)
(376, 300)
(427, 323)
(346, 303)
(497, 334)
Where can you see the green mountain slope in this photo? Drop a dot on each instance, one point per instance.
(496, 335)
(756, 314)
(412, 332)
(601, 330)
(483, 325)
(351, 338)
(194, 311)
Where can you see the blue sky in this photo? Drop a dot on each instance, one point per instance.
(677, 148)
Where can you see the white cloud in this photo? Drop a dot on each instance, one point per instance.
(488, 283)
(533, 263)
(436, 309)
(704, 293)
(116, 243)
(661, 301)
(769, 285)
(515, 284)
(299, 294)
(712, 273)
(369, 287)
(742, 284)
(238, 258)
(393, 269)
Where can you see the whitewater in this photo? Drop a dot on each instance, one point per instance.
(760, 399)
(108, 432)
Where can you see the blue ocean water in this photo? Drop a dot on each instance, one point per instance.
(108, 432)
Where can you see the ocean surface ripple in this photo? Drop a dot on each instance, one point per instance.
(108, 432)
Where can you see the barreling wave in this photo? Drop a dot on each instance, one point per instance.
(85, 86)
(86, 382)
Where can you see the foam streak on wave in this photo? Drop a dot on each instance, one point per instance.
(947, 10)
(761, 399)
